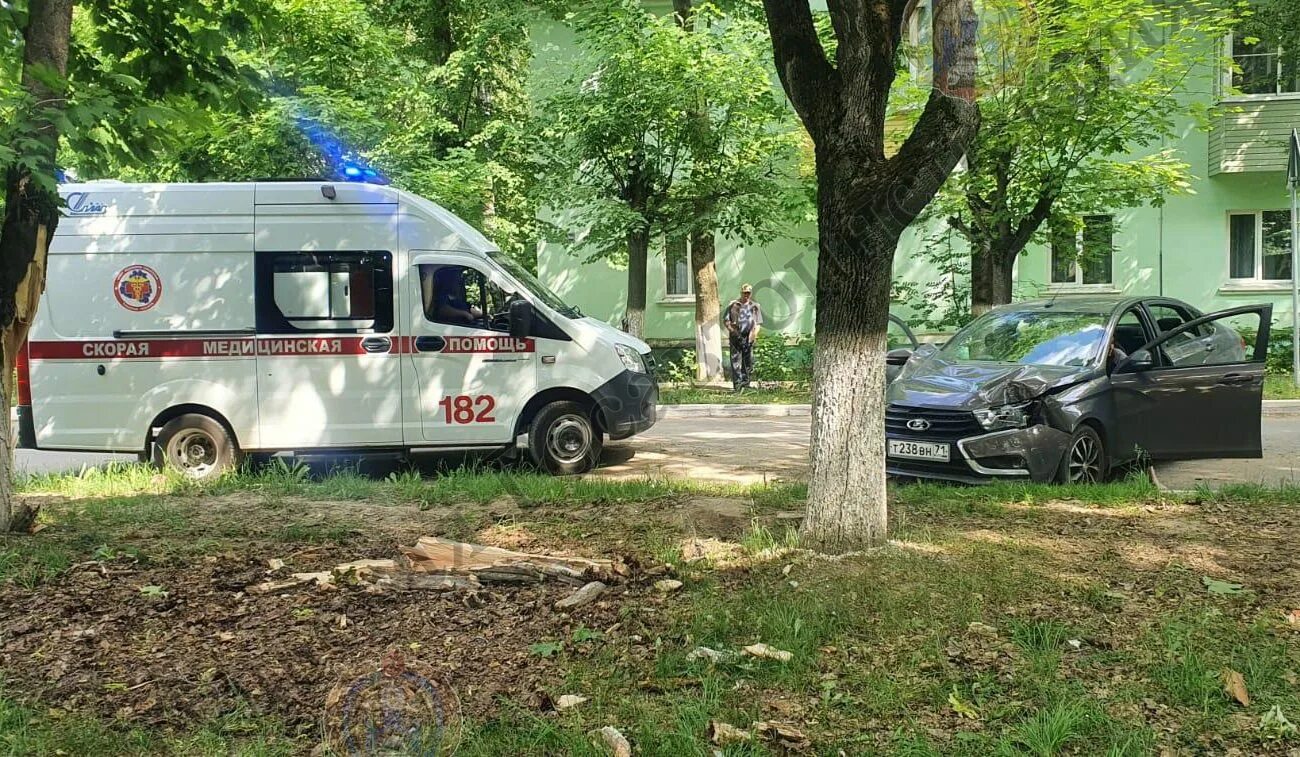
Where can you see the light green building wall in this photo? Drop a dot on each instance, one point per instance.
(1179, 250)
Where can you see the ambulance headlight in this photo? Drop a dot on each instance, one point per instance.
(630, 357)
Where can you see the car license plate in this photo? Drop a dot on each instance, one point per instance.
(919, 450)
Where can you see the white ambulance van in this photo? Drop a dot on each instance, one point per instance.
(194, 323)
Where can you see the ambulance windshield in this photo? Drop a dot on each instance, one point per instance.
(539, 290)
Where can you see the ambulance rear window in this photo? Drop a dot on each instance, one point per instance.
(325, 291)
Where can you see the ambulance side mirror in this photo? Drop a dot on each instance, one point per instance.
(521, 319)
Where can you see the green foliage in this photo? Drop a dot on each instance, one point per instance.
(661, 130)
(1076, 100)
(775, 359)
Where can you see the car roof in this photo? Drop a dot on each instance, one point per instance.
(1099, 304)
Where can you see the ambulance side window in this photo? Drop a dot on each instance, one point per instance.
(463, 296)
(349, 292)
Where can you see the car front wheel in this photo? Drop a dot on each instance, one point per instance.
(1085, 461)
(563, 439)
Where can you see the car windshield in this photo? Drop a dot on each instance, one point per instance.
(1030, 338)
(534, 285)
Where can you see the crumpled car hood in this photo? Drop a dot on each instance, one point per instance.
(936, 382)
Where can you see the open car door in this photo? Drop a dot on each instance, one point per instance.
(1197, 390)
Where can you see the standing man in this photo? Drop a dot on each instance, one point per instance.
(743, 318)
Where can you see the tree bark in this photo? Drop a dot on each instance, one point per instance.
(638, 247)
(708, 307)
(865, 201)
(846, 490)
(30, 217)
(990, 278)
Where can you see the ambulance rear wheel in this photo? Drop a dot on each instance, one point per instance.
(197, 446)
(563, 440)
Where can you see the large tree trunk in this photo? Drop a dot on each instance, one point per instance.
(990, 279)
(31, 214)
(708, 308)
(638, 246)
(846, 492)
(865, 202)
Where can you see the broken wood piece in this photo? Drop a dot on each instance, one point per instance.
(782, 735)
(586, 595)
(569, 701)
(767, 652)
(496, 565)
(457, 555)
(427, 582)
(376, 566)
(293, 581)
(721, 733)
(616, 741)
(667, 585)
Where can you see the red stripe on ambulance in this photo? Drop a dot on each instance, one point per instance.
(153, 349)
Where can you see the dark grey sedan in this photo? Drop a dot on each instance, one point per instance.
(1067, 389)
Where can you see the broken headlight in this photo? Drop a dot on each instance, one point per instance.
(1005, 416)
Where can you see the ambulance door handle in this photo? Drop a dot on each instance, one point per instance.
(429, 343)
(376, 344)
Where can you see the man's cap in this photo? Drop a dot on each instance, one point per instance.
(746, 288)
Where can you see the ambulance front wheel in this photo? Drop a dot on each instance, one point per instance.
(563, 440)
(197, 446)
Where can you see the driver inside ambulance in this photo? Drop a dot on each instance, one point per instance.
(444, 295)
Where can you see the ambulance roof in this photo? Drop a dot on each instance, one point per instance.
(91, 203)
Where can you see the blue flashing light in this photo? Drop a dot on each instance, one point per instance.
(344, 162)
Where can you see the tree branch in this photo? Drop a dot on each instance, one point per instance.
(809, 80)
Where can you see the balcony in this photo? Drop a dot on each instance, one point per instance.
(1251, 131)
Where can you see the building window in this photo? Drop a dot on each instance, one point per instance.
(1262, 67)
(1083, 257)
(1260, 245)
(677, 268)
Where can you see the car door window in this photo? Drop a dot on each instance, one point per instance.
(1187, 347)
(1130, 335)
(460, 295)
(1229, 338)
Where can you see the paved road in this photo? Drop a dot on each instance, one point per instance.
(757, 450)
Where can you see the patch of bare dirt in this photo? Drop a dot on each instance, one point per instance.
(173, 643)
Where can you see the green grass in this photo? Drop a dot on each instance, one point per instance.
(1281, 387)
(1276, 387)
(799, 394)
(885, 657)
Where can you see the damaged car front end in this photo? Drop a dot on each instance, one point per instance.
(972, 412)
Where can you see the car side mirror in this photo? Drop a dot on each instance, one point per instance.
(521, 319)
(899, 356)
(1138, 361)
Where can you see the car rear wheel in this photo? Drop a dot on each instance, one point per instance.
(197, 446)
(563, 440)
(1085, 461)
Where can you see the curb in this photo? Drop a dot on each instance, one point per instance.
(1272, 408)
(677, 412)
(1281, 407)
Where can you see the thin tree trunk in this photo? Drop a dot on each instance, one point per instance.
(991, 269)
(708, 308)
(30, 217)
(638, 246)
